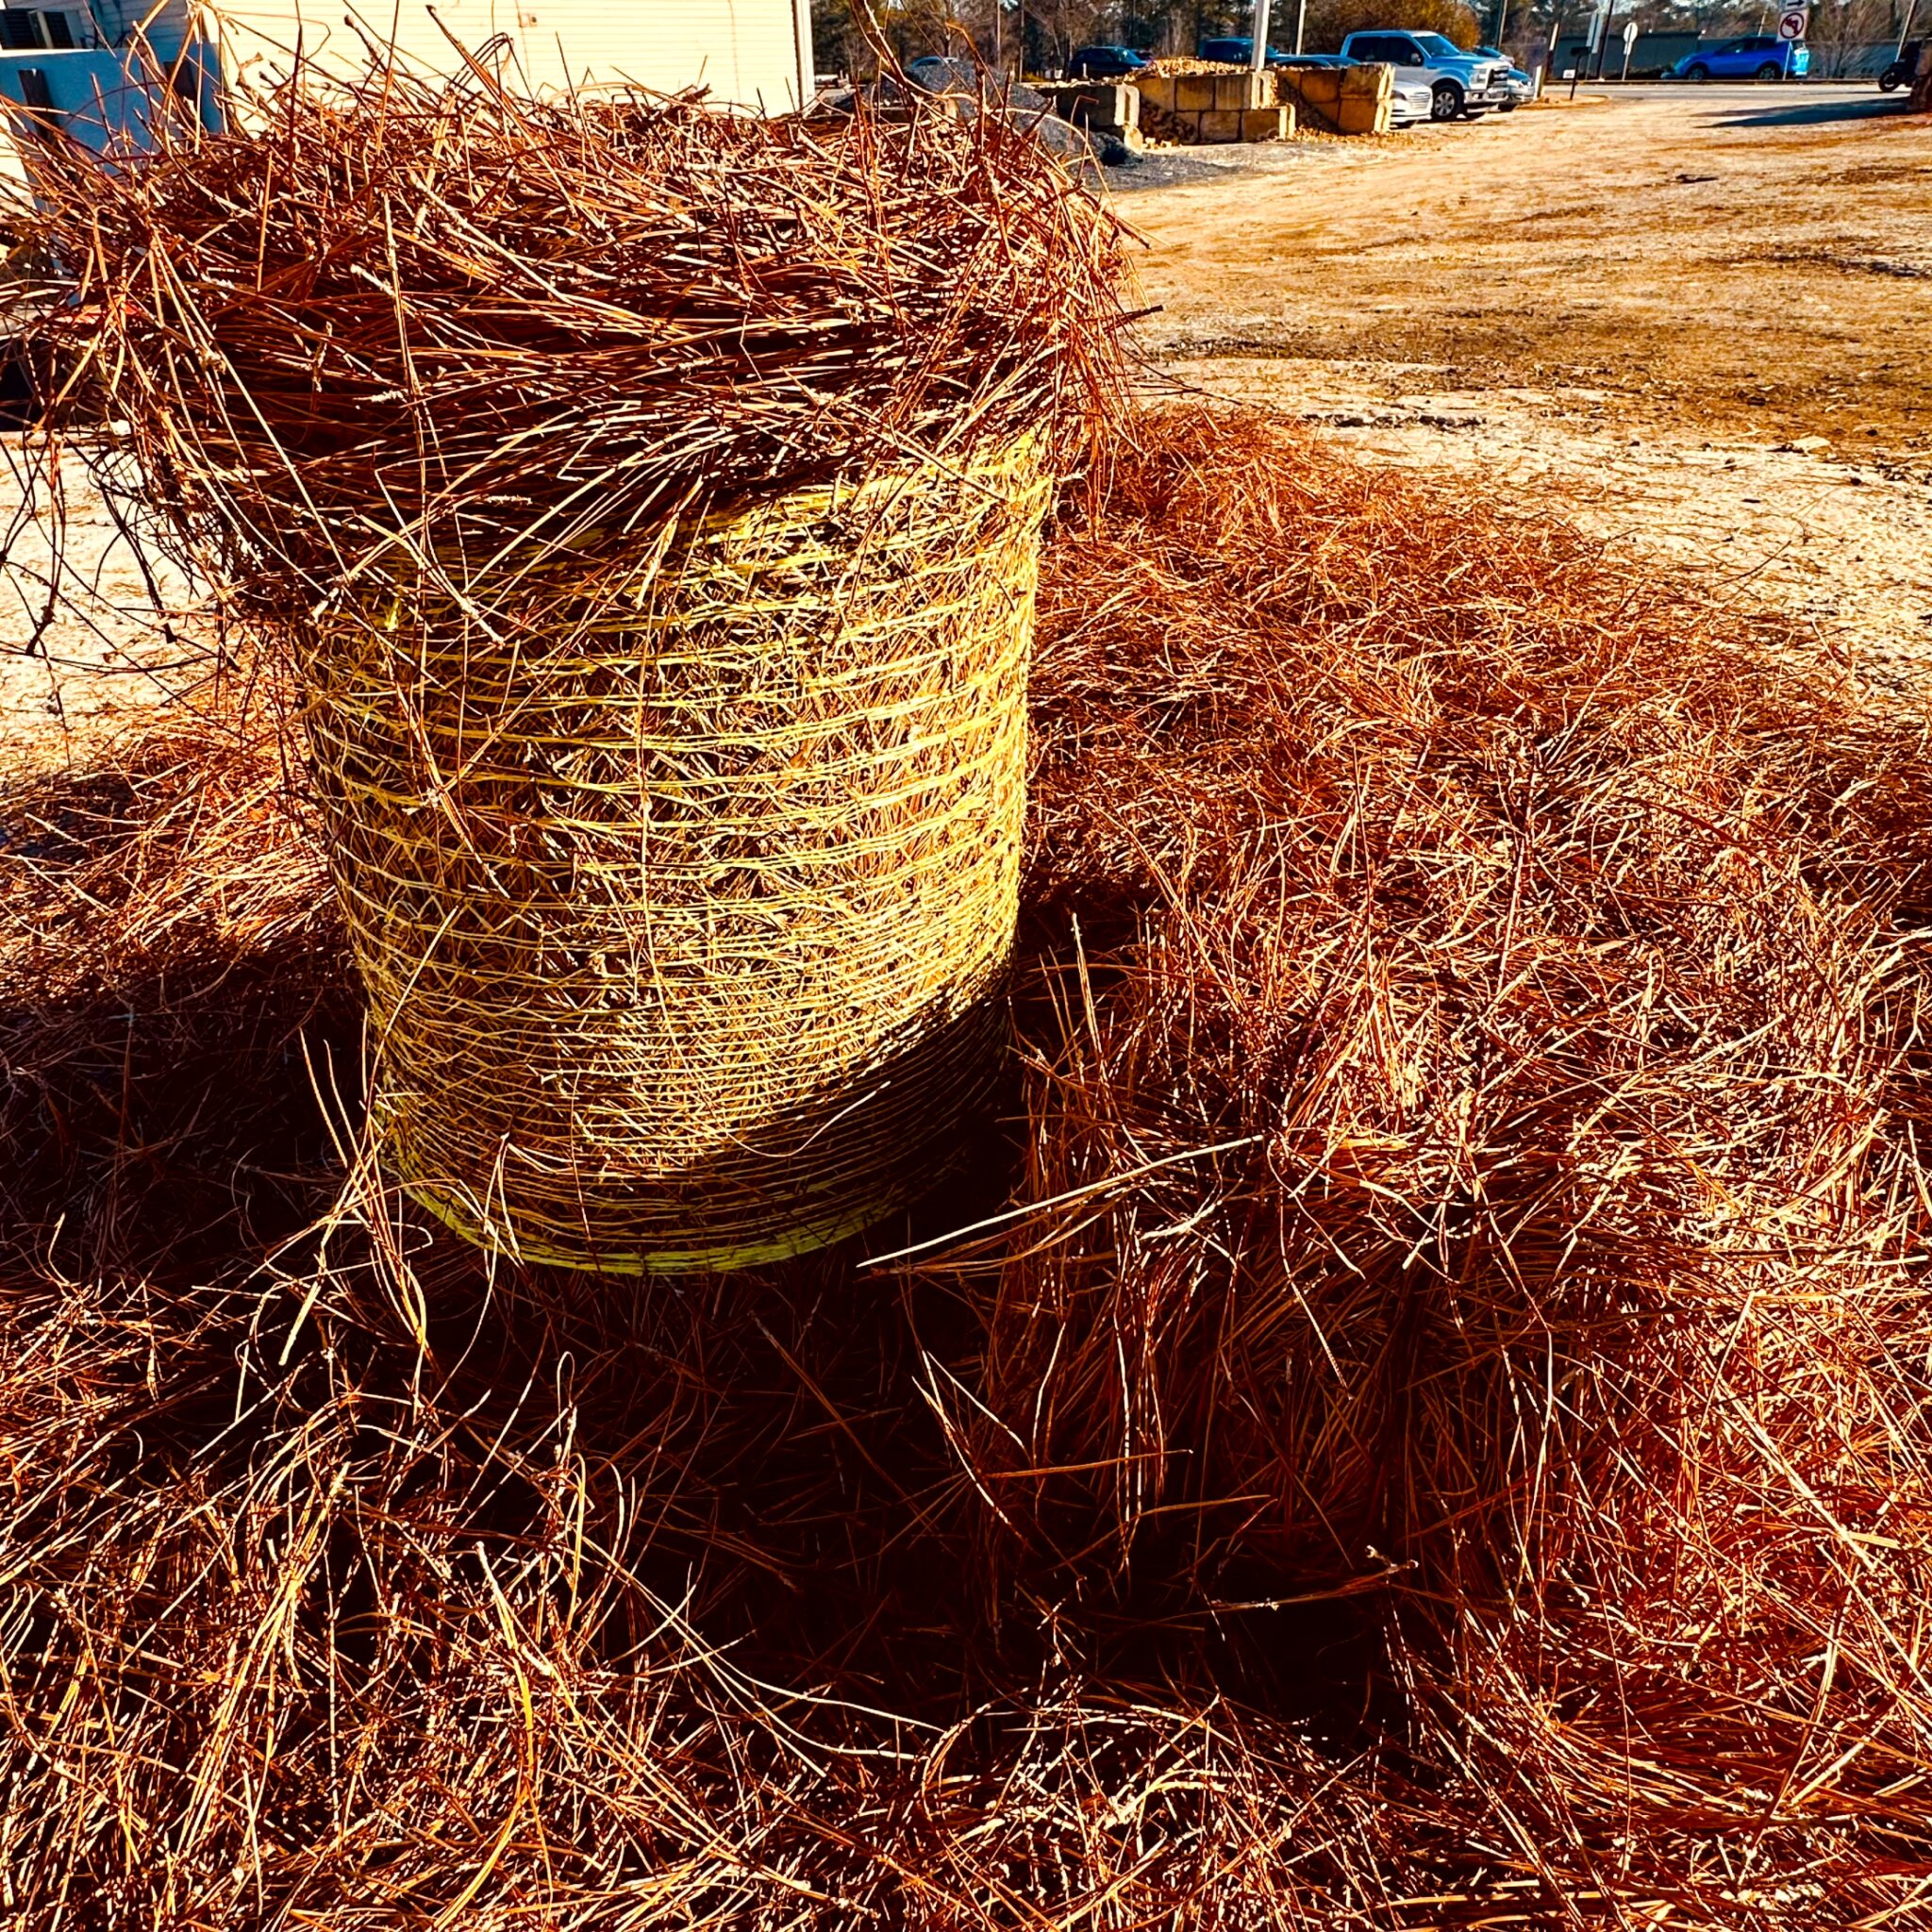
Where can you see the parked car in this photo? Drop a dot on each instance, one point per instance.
(1903, 70)
(1105, 63)
(1410, 102)
(1459, 83)
(1756, 57)
(1520, 86)
(1237, 50)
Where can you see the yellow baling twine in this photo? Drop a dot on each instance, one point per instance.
(682, 894)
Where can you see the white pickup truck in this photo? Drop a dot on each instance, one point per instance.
(1460, 84)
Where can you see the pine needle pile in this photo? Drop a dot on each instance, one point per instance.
(1439, 1440)
(648, 500)
(1425, 1423)
(1544, 975)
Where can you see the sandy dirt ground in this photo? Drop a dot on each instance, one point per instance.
(1698, 322)
(93, 628)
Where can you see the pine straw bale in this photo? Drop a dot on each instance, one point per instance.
(648, 500)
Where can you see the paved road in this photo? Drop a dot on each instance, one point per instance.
(1766, 103)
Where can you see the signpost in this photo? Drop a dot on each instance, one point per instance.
(1542, 72)
(1629, 42)
(1599, 26)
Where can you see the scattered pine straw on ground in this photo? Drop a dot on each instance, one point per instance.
(1538, 952)
(1491, 1489)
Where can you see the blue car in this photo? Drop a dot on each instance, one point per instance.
(1236, 50)
(1757, 56)
(1105, 63)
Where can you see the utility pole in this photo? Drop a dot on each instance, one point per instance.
(1905, 33)
(1258, 54)
(1301, 21)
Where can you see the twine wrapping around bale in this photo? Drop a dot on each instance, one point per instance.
(682, 899)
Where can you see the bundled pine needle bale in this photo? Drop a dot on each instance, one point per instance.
(649, 500)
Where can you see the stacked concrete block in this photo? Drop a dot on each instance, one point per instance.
(1105, 109)
(1341, 100)
(1212, 104)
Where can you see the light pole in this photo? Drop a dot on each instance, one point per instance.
(1258, 57)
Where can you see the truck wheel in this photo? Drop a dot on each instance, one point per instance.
(1445, 101)
(1771, 71)
(1697, 71)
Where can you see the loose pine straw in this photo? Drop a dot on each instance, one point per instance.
(1559, 1326)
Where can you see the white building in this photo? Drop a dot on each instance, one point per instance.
(75, 64)
(753, 54)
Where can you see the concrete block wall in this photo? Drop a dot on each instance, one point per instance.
(1340, 100)
(1100, 107)
(1219, 106)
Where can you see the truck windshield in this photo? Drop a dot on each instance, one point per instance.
(1438, 44)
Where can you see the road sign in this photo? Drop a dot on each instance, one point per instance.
(1792, 22)
(1630, 35)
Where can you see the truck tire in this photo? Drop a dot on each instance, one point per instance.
(1892, 79)
(1445, 101)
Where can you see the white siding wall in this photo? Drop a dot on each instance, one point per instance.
(750, 53)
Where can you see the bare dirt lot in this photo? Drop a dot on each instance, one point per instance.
(1697, 319)
(1698, 322)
